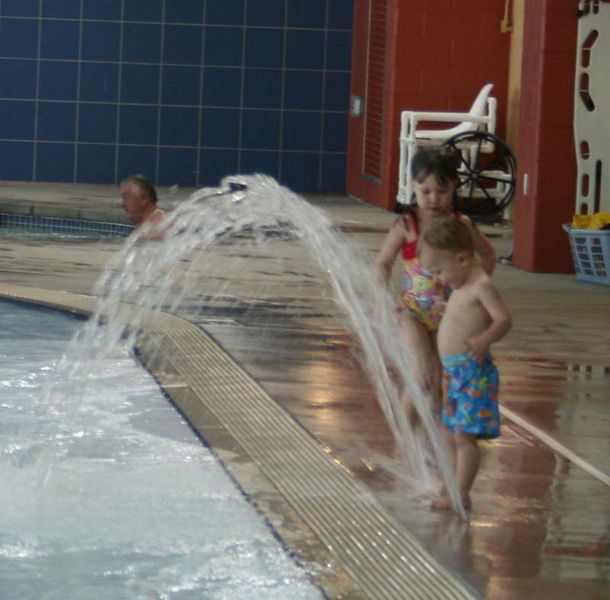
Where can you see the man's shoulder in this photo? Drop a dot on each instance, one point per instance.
(156, 216)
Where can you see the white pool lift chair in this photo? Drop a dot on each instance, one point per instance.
(471, 138)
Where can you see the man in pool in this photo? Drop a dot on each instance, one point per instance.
(139, 200)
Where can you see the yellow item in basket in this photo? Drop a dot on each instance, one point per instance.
(595, 221)
(580, 221)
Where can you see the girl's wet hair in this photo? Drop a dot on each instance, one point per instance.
(438, 162)
(434, 161)
(431, 161)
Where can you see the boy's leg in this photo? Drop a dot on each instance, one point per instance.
(468, 458)
(464, 451)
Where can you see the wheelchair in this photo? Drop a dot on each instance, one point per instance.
(486, 166)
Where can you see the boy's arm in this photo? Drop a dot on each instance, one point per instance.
(501, 321)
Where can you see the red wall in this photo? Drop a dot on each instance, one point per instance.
(439, 55)
(546, 137)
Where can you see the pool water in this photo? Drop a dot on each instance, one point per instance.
(12, 225)
(106, 491)
(32, 232)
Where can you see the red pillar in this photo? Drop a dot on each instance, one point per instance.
(546, 155)
(439, 53)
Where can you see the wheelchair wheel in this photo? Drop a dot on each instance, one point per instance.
(486, 168)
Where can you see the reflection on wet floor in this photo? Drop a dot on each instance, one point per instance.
(531, 504)
(540, 526)
(565, 400)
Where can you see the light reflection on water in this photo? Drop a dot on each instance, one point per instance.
(133, 506)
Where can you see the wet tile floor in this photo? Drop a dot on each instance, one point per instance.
(540, 526)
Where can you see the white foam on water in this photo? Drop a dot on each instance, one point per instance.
(134, 505)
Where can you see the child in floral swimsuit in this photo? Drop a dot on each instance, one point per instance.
(434, 181)
(422, 295)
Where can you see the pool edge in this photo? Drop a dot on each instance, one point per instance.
(280, 473)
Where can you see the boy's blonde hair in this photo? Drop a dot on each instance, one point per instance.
(448, 233)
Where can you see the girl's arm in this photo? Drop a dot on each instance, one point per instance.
(482, 246)
(389, 251)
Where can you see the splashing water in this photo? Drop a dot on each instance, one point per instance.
(197, 268)
(137, 508)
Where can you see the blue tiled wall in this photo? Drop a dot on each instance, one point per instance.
(185, 91)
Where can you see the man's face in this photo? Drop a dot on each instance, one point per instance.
(133, 201)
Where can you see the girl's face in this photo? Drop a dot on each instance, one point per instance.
(433, 198)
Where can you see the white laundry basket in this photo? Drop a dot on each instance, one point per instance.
(591, 254)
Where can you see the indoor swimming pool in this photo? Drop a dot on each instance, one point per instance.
(33, 225)
(107, 492)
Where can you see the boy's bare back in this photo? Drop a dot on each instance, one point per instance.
(472, 309)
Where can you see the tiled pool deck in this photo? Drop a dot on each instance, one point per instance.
(295, 433)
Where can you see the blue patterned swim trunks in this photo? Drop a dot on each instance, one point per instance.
(470, 398)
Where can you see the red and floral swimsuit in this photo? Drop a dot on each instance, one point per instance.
(422, 294)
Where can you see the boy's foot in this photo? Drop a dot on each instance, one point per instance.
(444, 503)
